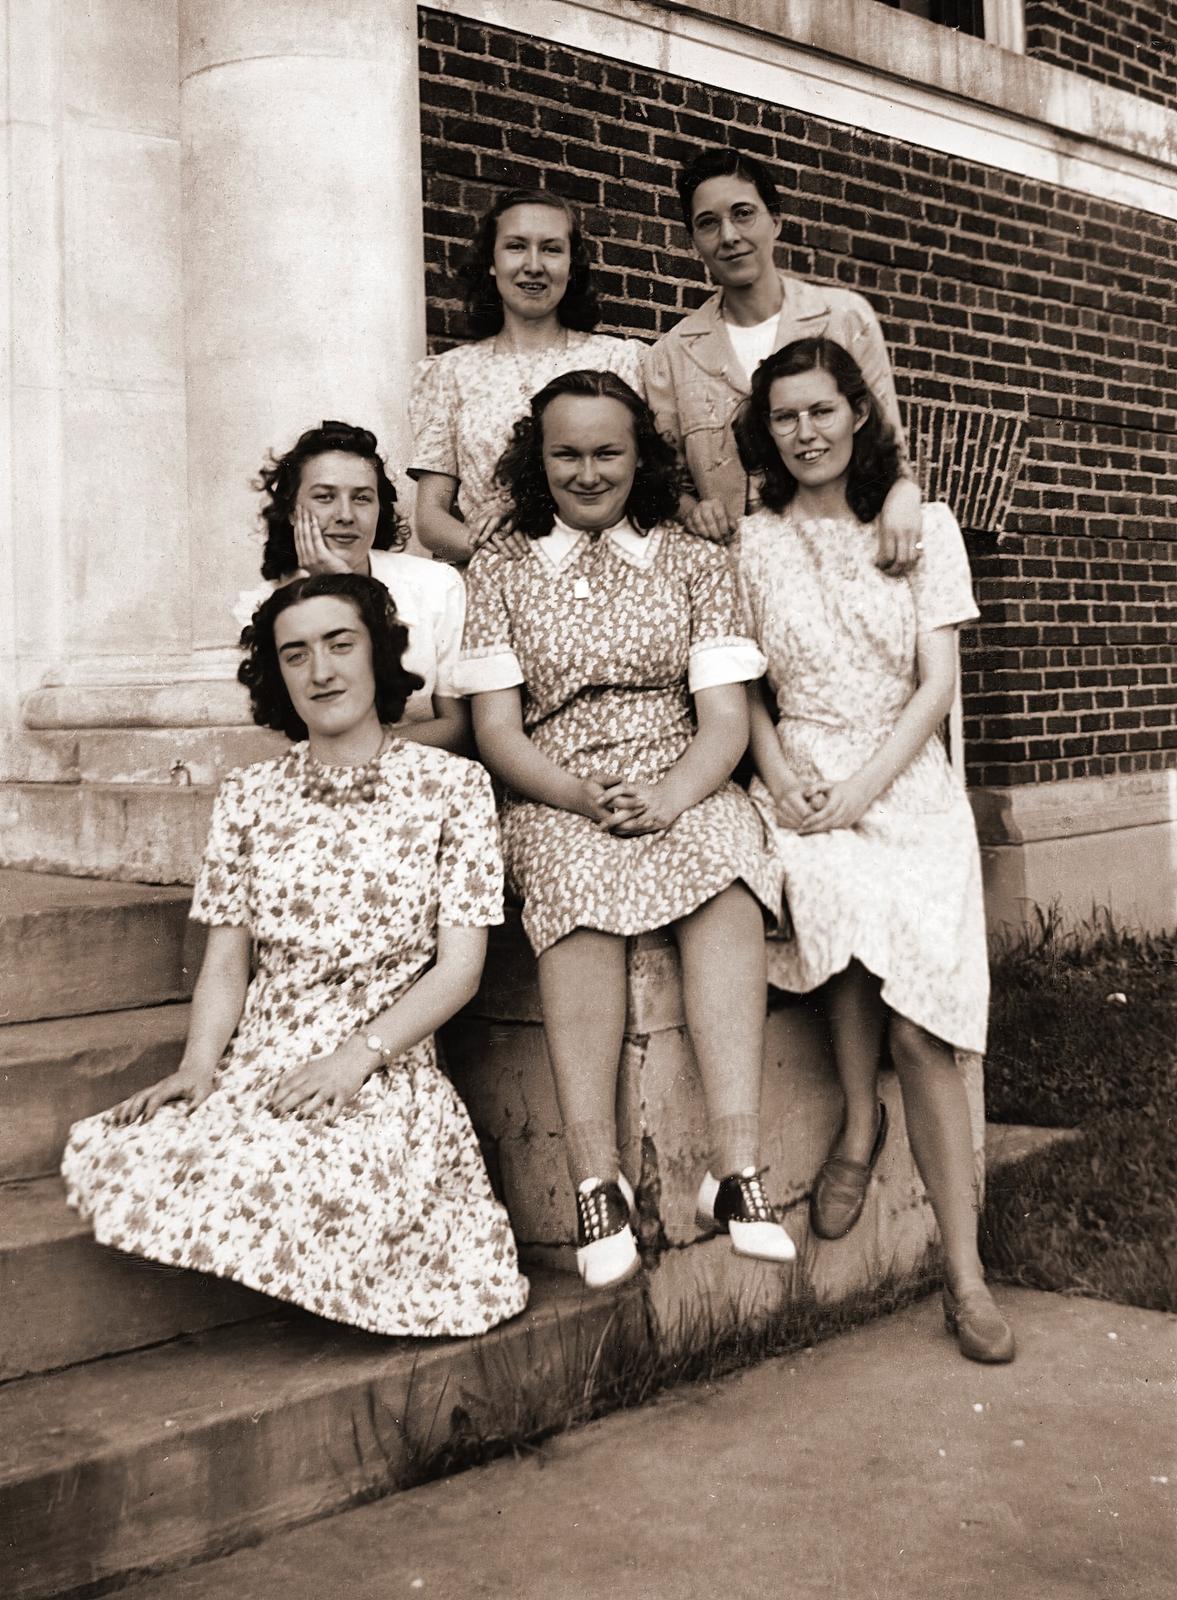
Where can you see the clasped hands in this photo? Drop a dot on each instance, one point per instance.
(628, 809)
(821, 807)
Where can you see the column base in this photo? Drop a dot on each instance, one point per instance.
(1082, 849)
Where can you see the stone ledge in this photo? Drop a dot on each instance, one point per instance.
(1027, 813)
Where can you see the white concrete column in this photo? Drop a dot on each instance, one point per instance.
(303, 249)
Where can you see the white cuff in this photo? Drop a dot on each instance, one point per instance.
(482, 674)
(719, 661)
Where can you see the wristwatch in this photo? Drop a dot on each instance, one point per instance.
(378, 1048)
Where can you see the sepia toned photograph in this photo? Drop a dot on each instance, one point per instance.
(588, 800)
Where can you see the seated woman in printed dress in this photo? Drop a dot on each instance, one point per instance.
(331, 507)
(307, 1145)
(871, 825)
(607, 670)
(532, 309)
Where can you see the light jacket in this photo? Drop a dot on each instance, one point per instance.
(695, 384)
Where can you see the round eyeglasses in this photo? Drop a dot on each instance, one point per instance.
(821, 416)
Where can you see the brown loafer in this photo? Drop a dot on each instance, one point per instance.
(839, 1193)
(981, 1331)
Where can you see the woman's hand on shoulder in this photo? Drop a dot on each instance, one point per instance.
(836, 805)
(190, 1084)
(325, 1083)
(495, 532)
(707, 519)
(310, 548)
(900, 529)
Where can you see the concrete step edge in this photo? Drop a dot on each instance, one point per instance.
(218, 1439)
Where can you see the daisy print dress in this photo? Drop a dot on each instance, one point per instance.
(901, 890)
(385, 1218)
(608, 637)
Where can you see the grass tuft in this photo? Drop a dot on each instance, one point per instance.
(1083, 1033)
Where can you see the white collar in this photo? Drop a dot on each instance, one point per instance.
(562, 539)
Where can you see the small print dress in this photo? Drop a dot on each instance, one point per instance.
(901, 890)
(465, 403)
(608, 637)
(384, 1219)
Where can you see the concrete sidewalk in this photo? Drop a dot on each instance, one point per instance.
(878, 1466)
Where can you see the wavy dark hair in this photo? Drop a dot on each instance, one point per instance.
(724, 162)
(579, 308)
(261, 673)
(281, 477)
(874, 460)
(520, 470)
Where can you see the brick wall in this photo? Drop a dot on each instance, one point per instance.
(991, 289)
(1131, 44)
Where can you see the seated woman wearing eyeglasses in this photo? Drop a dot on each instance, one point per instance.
(871, 825)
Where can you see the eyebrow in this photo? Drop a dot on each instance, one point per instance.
(335, 633)
(356, 488)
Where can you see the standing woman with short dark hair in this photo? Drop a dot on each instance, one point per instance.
(873, 828)
(307, 1145)
(532, 309)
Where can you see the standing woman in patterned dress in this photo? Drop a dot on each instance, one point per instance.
(307, 1145)
(871, 825)
(531, 307)
(607, 669)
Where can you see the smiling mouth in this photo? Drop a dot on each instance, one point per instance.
(809, 455)
(328, 694)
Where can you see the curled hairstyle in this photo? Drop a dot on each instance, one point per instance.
(654, 495)
(578, 309)
(281, 476)
(722, 162)
(874, 459)
(261, 672)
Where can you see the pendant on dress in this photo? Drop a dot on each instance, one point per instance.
(581, 590)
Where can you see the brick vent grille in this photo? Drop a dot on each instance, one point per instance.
(996, 293)
(969, 456)
(1129, 44)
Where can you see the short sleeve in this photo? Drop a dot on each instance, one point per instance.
(221, 896)
(469, 863)
(247, 603)
(941, 584)
(488, 660)
(433, 410)
(721, 651)
(631, 364)
(448, 624)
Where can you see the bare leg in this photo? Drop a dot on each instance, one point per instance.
(582, 991)
(725, 993)
(938, 1130)
(857, 1015)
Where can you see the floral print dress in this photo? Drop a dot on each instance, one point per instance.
(901, 890)
(384, 1219)
(608, 637)
(465, 402)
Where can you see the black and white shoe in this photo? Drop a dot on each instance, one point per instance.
(738, 1206)
(607, 1251)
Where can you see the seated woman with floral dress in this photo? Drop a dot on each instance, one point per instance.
(872, 827)
(307, 1145)
(607, 670)
(331, 507)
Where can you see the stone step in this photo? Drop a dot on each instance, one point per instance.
(134, 833)
(53, 1073)
(65, 1299)
(69, 946)
(210, 1442)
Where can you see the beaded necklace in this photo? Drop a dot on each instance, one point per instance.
(319, 784)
